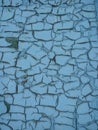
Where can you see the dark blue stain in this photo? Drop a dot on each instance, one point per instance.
(96, 4)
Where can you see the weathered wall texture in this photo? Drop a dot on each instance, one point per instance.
(48, 65)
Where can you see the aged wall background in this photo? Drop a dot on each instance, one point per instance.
(48, 65)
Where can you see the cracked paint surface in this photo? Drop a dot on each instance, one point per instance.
(48, 65)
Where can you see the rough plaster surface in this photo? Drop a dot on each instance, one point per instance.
(48, 65)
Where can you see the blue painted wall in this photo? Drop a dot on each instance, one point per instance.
(48, 65)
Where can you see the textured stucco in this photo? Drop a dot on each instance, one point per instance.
(48, 65)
